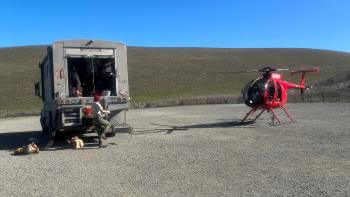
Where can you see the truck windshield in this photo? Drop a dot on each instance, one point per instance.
(89, 75)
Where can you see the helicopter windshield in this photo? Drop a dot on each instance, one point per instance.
(260, 90)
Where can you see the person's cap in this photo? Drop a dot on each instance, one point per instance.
(97, 97)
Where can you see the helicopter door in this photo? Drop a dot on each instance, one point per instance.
(253, 92)
(273, 91)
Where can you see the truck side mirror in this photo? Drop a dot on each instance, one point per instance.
(38, 89)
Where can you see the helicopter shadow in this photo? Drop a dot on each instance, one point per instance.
(171, 128)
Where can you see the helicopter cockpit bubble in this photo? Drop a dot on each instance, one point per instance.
(256, 92)
(253, 92)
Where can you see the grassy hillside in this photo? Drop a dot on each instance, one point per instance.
(160, 73)
(19, 71)
(168, 73)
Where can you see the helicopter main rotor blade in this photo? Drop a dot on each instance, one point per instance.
(282, 69)
(230, 72)
(243, 71)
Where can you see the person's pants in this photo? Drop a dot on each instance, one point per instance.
(99, 122)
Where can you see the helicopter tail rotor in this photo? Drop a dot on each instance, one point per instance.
(302, 80)
(303, 71)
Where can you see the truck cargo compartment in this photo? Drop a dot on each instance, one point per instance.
(89, 75)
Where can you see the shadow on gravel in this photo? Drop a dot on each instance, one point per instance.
(171, 128)
(61, 143)
(11, 141)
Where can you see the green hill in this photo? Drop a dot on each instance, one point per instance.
(168, 73)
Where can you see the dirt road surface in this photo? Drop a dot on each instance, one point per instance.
(190, 151)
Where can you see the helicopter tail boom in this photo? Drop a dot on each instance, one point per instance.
(303, 71)
(302, 80)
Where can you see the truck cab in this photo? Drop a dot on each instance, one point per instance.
(71, 73)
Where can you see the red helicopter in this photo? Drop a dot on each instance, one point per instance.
(270, 91)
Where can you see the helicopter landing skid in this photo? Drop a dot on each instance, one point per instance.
(252, 112)
(274, 115)
(285, 111)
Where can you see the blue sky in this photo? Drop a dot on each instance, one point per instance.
(322, 24)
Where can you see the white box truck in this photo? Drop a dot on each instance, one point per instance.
(71, 73)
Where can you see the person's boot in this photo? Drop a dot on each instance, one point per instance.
(103, 136)
(100, 137)
(99, 142)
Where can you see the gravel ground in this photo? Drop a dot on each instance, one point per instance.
(190, 151)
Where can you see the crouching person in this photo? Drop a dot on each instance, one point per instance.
(98, 121)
